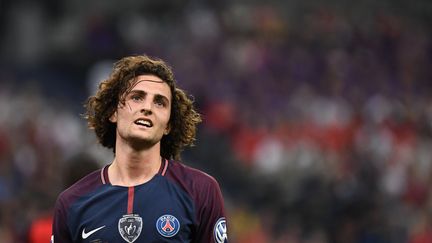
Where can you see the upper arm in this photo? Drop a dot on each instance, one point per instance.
(211, 214)
(60, 230)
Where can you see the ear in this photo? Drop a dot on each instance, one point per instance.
(167, 129)
(113, 117)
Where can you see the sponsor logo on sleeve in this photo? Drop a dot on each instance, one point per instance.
(220, 231)
(167, 225)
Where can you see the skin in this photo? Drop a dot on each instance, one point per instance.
(137, 157)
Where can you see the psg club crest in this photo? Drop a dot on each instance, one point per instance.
(220, 231)
(167, 225)
(130, 226)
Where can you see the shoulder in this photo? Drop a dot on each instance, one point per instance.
(82, 187)
(200, 186)
(195, 178)
(208, 202)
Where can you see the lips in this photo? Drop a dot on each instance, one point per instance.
(144, 122)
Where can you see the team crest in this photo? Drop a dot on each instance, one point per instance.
(220, 231)
(130, 226)
(167, 225)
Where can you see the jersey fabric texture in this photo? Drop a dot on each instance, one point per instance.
(179, 204)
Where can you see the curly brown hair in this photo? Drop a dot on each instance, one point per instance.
(111, 92)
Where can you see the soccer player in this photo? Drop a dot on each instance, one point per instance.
(145, 194)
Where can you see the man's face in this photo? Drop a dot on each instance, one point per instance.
(144, 117)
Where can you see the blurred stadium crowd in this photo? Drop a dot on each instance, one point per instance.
(317, 117)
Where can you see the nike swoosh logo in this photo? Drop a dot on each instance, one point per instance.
(85, 235)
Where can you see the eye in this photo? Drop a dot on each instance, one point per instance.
(160, 103)
(136, 97)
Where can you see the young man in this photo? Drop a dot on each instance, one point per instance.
(145, 194)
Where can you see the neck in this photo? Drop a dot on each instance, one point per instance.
(131, 167)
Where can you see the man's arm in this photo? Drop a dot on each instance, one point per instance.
(60, 231)
(212, 226)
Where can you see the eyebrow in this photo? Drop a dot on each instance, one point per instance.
(156, 96)
(159, 96)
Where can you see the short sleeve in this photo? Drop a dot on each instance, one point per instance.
(60, 229)
(212, 226)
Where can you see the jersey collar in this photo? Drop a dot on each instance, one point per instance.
(162, 171)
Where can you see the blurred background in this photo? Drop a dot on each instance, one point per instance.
(317, 116)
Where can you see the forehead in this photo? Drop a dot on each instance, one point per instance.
(151, 84)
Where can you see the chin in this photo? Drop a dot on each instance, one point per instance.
(143, 142)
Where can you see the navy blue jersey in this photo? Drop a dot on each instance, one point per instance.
(179, 204)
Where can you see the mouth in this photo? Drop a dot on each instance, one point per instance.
(144, 122)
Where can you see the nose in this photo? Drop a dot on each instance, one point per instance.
(146, 108)
(146, 111)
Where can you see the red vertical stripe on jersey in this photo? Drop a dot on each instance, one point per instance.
(131, 192)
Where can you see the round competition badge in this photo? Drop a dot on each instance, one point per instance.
(167, 225)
